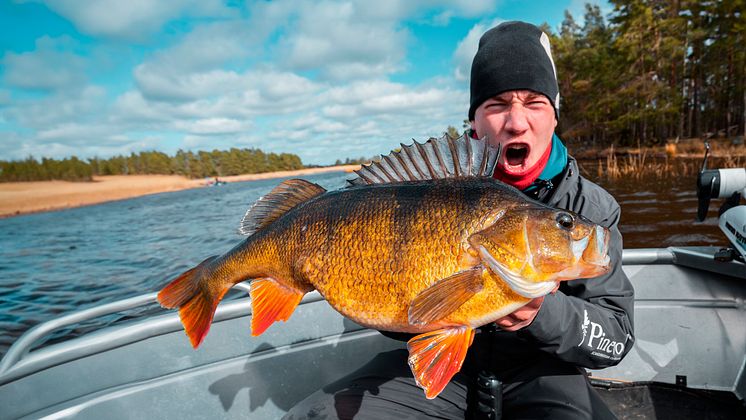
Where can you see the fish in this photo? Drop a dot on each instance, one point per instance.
(423, 241)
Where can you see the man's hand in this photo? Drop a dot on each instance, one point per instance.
(523, 316)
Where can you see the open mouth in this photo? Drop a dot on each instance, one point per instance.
(516, 154)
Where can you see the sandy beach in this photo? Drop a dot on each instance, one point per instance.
(18, 198)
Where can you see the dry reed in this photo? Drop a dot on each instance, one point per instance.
(639, 166)
(680, 159)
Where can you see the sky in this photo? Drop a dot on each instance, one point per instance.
(325, 80)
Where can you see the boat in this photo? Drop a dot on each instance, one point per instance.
(689, 356)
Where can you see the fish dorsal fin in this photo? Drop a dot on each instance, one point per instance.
(435, 159)
(282, 198)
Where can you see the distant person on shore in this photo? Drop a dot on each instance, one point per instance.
(539, 351)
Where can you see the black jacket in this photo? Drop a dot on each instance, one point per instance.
(587, 322)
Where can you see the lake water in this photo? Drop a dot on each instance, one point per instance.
(57, 262)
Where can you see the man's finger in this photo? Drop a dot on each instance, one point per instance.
(507, 321)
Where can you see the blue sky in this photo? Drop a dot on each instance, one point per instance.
(325, 80)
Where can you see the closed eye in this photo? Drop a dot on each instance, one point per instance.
(496, 104)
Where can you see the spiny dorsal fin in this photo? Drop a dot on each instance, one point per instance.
(282, 198)
(434, 159)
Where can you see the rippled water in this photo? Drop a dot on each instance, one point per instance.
(661, 213)
(54, 263)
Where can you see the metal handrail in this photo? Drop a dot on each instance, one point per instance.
(21, 347)
(647, 256)
(23, 344)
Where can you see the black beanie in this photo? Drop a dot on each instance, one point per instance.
(513, 56)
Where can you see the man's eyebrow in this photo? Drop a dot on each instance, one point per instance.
(534, 95)
(505, 96)
(500, 97)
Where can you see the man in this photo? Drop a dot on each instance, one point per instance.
(539, 351)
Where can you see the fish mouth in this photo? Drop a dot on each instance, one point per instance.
(591, 254)
(516, 154)
(518, 284)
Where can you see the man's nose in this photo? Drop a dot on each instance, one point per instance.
(517, 119)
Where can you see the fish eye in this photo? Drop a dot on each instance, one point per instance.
(565, 221)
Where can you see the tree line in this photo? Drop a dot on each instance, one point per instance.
(201, 164)
(654, 70)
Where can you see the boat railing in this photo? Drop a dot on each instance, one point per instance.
(20, 360)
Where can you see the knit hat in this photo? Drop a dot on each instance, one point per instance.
(513, 56)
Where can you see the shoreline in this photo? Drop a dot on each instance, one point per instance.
(20, 198)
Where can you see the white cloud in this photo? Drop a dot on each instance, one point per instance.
(206, 47)
(369, 118)
(212, 126)
(74, 133)
(52, 65)
(60, 107)
(222, 94)
(171, 86)
(343, 43)
(132, 19)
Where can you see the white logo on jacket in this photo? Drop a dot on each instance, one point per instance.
(597, 340)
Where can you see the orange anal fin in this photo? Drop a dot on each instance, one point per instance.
(270, 302)
(436, 356)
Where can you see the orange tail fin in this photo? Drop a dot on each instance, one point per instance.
(270, 302)
(196, 300)
(436, 356)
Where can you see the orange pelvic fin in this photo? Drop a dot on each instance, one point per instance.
(196, 303)
(270, 302)
(445, 296)
(436, 356)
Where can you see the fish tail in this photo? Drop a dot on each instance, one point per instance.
(195, 293)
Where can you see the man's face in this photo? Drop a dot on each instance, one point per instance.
(522, 122)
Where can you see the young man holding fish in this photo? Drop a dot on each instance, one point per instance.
(539, 350)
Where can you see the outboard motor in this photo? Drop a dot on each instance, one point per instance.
(731, 185)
